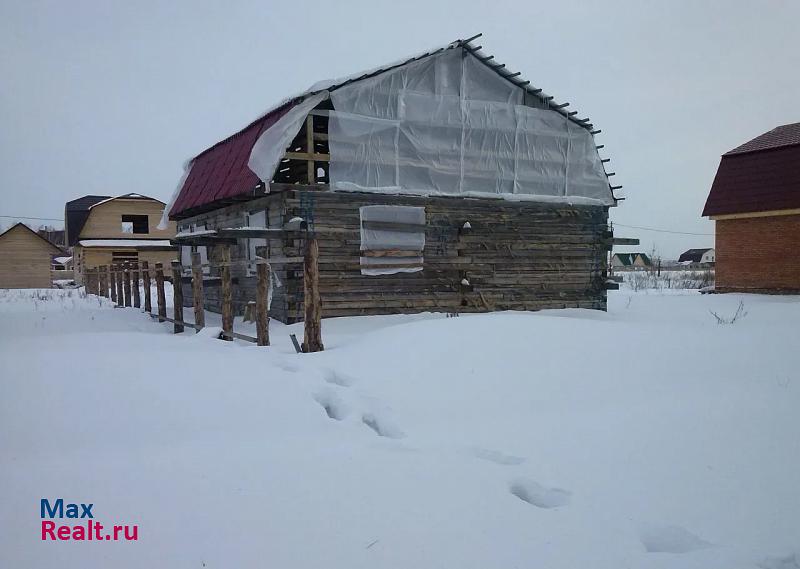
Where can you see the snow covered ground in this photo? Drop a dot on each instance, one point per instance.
(649, 436)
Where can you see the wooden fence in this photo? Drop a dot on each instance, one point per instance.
(120, 282)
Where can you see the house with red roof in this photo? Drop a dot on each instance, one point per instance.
(440, 182)
(755, 202)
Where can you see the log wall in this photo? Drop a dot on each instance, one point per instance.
(516, 256)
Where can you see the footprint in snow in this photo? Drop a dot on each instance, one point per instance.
(381, 426)
(497, 457)
(336, 378)
(670, 539)
(540, 496)
(334, 407)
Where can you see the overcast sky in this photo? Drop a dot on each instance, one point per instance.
(110, 97)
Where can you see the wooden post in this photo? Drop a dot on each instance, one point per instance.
(148, 305)
(262, 304)
(162, 299)
(197, 292)
(227, 296)
(112, 281)
(126, 284)
(312, 171)
(97, 281)
(137, 299)
(177, 297)
(120, 295)
(101, 281)
(313, 308)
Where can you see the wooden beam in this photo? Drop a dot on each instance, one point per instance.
(393, 226)
(264, 273)
(311, 170)
(148, 306)
(177, 297)
(137, 300)
(313, 309)
(161, 297)
(197, 292)
(227, 293)
(313, 156)
(624, 241)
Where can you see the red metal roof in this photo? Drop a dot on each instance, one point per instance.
(785, 135)
(221, 171)
(756, 180)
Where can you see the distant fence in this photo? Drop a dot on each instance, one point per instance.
(120, 282)
(66, 274)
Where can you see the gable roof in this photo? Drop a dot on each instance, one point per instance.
(628, 259)
(693, 255)
(76, 212)
(762, 174)
(54, 247)
(220, 172)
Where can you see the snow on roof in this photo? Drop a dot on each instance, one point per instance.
(62, 260)
(139, 243)
(125, 196)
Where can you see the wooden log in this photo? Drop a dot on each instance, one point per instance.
(161, 296)
(227, 293)
(126, 284)
(148, 306)
(197, 291)
(313, 307)
(262, 303)
(103, 280)
(177, 297)
(118, 278)
(137, 298)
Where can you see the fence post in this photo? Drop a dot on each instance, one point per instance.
(96, 282)
(137, 299)
(120, 295)
(177, 297)
(313, 309)
(102, 284)
(162, 300)
(112, 282)
(262, 304)
(197, 292)
(126, 284)
(227, 295)
(148, 305)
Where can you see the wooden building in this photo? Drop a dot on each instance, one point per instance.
(445, 182)
(104, 230)
(755, 202)
(25, 258)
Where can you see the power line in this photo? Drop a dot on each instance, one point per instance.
(664, 230)
(37, 218)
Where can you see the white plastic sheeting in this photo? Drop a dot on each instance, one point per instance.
(271, 145)
(385, 239)
(449, 125)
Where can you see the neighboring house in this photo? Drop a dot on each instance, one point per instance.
(55, 236)
(697, 257)
(25, 258)
(755, 202)
(104, 230)
(417, 199)
(630, 261)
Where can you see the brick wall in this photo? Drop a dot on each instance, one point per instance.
(758, 254)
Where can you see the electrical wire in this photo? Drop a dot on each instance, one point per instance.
(37, 218)
(663, 230)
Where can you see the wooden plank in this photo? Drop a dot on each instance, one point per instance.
(262, 314)
(177, 297)
(126, 285)
(227, 293)
(310, 168)
(197, 291)
(120, 294)
(160, 296)
(148, 306)
(137, 300)
(311, 156)
(390, 253)
(624, 241)
(104, 280)
(313, 308)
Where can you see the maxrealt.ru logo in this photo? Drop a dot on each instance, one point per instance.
(90, 530)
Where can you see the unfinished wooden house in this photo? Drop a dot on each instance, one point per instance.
(444, 182)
